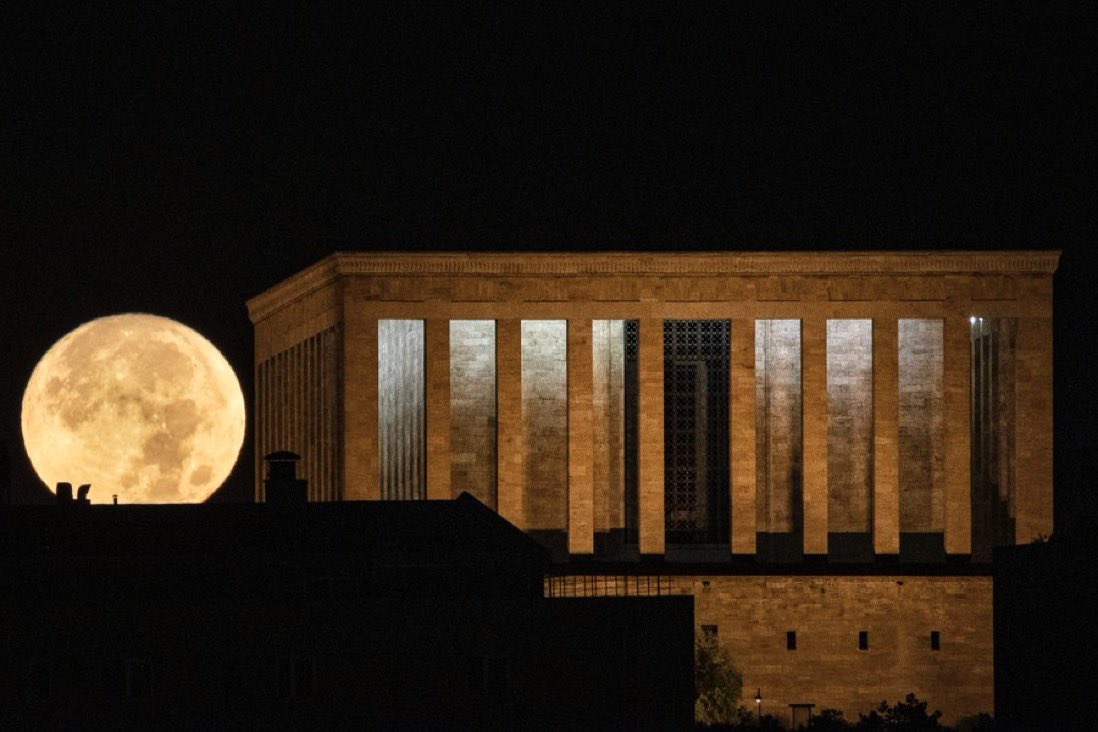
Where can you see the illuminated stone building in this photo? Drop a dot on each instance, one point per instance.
(821, 448)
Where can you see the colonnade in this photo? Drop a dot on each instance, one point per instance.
(361, 427)
(353, 291)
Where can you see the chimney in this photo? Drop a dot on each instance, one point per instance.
(282, 487)
(64, 494)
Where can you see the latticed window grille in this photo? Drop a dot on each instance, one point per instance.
(629, 442)
(696, 367)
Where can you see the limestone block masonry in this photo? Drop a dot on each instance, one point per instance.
(849, 448)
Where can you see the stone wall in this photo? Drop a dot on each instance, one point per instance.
(754, 614)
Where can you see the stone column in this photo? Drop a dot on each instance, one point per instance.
(650, 438)
(581, 537)
(360, 456)
(814, 420)
(741, 395)
(436, 345)
(509, 432)
(1033, 430)
(956, 355)
(886, 433)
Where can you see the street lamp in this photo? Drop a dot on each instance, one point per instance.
(759, 706)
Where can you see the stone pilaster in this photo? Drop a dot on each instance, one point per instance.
(509, 432)
(650, 440)
(360, 455)
(742, 431)
(814, 416)
(581, 538)
(1033, 430)
(886, 486)
(956, 355)
(437, 390)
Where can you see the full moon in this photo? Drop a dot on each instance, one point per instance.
(139, 406)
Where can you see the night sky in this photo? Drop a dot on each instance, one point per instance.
(178, 162)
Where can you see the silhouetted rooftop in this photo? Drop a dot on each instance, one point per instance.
(445, 530)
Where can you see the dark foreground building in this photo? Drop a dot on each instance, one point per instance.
(353, 615)
(1046, 646)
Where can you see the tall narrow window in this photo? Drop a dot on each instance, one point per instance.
(608, 396)
(993, 421)
(778, 435)
(545, 426)
(863, 640)
(790, 640)
(401, 404)
(850, 437)
(935, 640)
(695, 392)
(921, 448)
(473, 409)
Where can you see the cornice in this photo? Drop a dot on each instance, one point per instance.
(642, 264)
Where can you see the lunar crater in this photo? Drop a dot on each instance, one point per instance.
(139, 406)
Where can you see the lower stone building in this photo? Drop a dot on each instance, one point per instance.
(822, 449)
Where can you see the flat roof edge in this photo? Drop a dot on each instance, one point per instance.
(693, 263)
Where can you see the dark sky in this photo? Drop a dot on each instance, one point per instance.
(178, 161)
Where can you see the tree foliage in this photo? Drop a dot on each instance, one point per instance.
(717, 683)
(909, 715)
(828, 720)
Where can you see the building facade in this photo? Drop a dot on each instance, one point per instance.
(822, 448)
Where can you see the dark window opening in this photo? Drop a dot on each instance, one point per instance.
(935, 640)
(791, 640)
(863, 640)
(696, 366)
